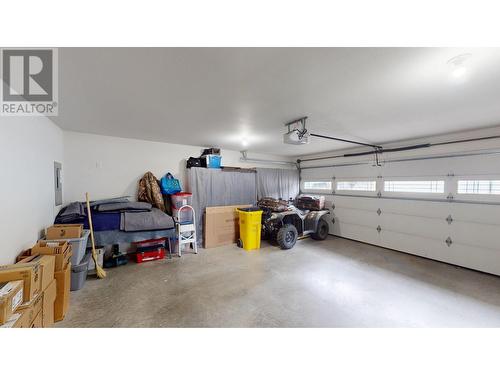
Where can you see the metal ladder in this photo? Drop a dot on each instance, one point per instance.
(186, 231)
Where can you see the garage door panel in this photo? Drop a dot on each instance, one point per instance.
(356, 202)
(482, 259)
(414, 244)
(422, 227)
(357, 216)
(356, 232)
(476, 213)
(476, 235)
(415, 208)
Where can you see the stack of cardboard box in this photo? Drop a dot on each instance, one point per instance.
(34, 292)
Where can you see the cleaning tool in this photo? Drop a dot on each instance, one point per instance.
(101, 274)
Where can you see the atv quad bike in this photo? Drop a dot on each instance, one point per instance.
(287, 226)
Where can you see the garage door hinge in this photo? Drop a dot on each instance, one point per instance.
(451, 174)
(379, 194)
(449, 241)
(379, 211)
(450, 197)
(379, 229)
(449, 219)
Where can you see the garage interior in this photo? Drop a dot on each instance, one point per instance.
(398, 149)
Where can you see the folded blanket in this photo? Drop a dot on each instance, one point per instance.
(110, 200)
(72, 213)
(124, 206)
(141, 221)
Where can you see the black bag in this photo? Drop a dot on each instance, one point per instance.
(194, 162)
(211, 151)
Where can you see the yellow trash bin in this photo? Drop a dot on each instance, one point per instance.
(250, 227)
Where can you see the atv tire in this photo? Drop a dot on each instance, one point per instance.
(287, 236)
(321, 231)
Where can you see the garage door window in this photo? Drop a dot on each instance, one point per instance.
(487, 187)
(357, 185)
(318, 185)
(429, 187)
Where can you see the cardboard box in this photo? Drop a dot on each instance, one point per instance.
(47, 263)
(18, 320)
(24, 254)
(11, 296)
(32, 308)
(60, 249)
(30, 273)
(63, 231)
(37, 321)
(63, 281)
(49, 298)
(222, 225)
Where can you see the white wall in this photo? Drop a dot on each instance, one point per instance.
(28, 148)
(110, 166)
(410, 224)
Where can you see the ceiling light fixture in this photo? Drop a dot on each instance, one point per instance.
(458, 65)
(244, 142)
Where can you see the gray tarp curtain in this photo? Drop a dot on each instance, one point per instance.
(277, 183)
(215, 187)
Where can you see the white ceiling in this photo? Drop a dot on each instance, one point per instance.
(217, 96)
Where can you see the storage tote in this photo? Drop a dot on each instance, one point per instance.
(78, 246)
(79, 273)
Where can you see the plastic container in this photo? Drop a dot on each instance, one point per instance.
(250, 227)
(213, 161)
(79, 273)
(179, 200)
(78, 246)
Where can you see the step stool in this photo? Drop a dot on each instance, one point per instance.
(186, 231)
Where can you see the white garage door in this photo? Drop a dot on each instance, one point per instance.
(446, 209)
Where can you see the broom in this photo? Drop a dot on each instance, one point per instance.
(101, 274)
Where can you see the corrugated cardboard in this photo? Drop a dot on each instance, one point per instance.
(60, 249)
(18, 320)
(11, 296)
(49, 298)
(47, 263)
(32, 308)
(30, 273)
(62, 231)
(24, 254)
(37, 322)
(63, 281)
(222, 225)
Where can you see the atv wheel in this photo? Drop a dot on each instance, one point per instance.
(239, 243)
(287, 236)
(321, 231)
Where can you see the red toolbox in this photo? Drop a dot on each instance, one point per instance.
(157, 242)
(146, 256)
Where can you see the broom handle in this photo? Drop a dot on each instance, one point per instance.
(90, 223)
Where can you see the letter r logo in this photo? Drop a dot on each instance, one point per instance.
(28, 75)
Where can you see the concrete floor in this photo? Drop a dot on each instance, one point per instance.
(334, 283)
